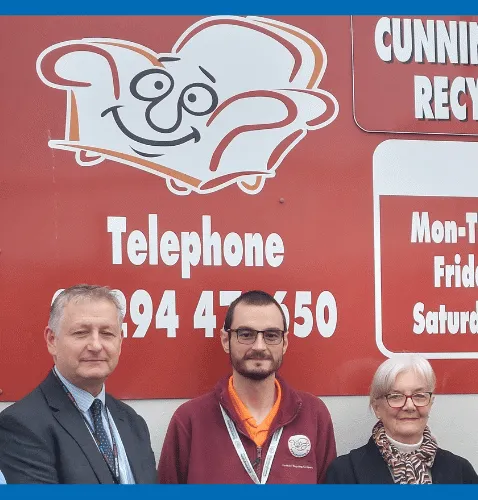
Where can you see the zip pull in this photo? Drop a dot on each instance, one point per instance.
(257, 461)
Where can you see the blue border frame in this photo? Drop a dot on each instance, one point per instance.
(243, 7)
(237, 492)
(251, 7)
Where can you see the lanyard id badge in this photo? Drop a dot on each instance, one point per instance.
(241, 452)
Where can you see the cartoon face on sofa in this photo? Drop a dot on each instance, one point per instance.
(172, 104)
(224, 106)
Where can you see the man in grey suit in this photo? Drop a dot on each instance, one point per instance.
(68, 430)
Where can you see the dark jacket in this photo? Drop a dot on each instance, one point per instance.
(198, 449)
(366, 465)
(44, 439)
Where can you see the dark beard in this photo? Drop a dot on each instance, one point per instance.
(255, 374)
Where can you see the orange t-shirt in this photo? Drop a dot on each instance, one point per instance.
(258, 433)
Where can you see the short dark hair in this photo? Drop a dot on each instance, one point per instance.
(252, 298)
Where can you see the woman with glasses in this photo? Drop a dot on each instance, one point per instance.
(402, 449)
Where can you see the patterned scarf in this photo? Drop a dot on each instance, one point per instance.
(407, 468)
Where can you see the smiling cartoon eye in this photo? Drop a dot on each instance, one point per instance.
(151, 85)
(198, 99)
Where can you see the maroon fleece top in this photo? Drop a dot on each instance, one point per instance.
(197, 448)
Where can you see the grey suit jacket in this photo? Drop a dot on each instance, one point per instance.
(44, 439)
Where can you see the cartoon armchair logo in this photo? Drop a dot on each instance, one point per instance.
(225, 106)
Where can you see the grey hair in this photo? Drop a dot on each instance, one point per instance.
(388, 371)
(78, 293)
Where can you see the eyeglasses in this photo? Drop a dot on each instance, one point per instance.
(271, 336)
(398, 400)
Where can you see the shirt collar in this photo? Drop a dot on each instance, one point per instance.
(404, 447)
(242, 410)
(83, 398)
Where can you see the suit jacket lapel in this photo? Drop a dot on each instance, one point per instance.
(72, 421)
(130, 444)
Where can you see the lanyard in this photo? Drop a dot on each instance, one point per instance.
(114, 472)
(241, 452)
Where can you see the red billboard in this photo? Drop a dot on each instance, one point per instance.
(182, 160)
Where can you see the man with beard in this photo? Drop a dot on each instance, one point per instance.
(253, 427)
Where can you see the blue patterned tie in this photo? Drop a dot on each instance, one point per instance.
(100, 432)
